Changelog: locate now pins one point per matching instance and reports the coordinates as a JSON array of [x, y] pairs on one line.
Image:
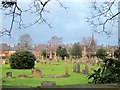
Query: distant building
[[6, 50], [38, 48]]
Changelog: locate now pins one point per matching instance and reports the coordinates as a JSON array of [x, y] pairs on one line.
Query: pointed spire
[[92, 41]]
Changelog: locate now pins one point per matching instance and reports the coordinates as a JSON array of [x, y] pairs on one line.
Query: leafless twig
[[36, 7], [102, 15]]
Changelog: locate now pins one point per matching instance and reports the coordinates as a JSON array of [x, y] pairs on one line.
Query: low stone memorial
[[83, 71], [37, 73], [23, 76], [9, 74], [45, 76], [60, 76], [48, 83], [6, 61]]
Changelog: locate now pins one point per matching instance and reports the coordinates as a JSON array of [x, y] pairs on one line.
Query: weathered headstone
[[23, 76], [74, 67], [48, 83], [86, 69], [50, 55], [37, 73], [3, 61], [60, 76], [66, 71], [83, 70], [9, 74], [55, 57], [65, 58], [41, 62], [58, 58], [78, 68], [44, 76], [93, 62], [42, 58], [49, 61], [6, 61]]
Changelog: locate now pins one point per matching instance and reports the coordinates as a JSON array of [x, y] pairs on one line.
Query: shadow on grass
[[70, 87]]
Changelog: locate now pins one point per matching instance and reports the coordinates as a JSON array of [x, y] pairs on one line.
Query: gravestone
[[55, 57], [48, 83], [60, 76], [50, 55], [93, 63], [83, 70], [44, 76], [41, 62], [86, 69], [6, 61], [65, 58], [37, 73], [9, 74], [58, 58], [78, 68], [42, 58], [49, 61], [66, 72], [74, 67], [23, 76], [3, 61]]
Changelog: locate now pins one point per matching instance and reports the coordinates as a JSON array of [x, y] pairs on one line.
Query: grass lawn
[[47, 69]]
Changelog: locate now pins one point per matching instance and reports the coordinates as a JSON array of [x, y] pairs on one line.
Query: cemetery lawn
[[47, 69]]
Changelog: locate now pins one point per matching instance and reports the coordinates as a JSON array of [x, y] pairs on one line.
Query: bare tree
[[86, 41], [54, 42], [89, 42], [103, 13], [25, 42], [13, 10]]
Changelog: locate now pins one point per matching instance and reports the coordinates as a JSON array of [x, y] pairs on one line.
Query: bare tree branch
[[36, 7], [102, 15]]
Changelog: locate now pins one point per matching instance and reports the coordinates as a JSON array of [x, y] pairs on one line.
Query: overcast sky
[[70, 25]]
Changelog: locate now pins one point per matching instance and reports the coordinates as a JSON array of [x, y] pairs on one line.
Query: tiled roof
[[40, 47], [4, 47]]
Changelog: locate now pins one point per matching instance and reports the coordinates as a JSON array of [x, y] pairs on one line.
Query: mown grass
[[47, 69]]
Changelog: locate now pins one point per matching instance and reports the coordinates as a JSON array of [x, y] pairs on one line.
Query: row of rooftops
[[37, 47]]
